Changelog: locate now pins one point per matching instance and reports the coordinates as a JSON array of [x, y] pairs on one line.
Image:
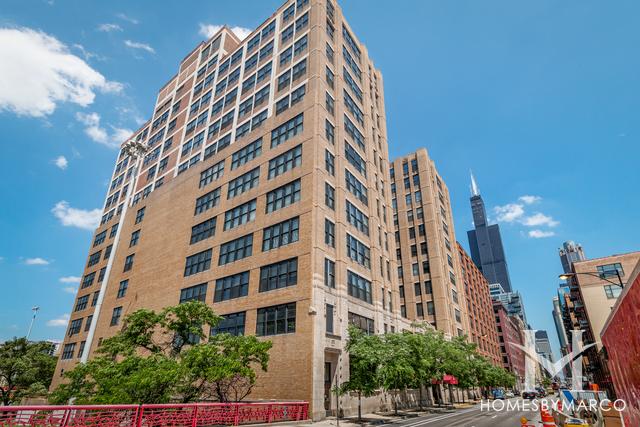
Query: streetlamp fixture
[[594, 274]]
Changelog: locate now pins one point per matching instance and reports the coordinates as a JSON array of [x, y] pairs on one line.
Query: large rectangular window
[[278, 275], [243, 183], [612, 291], [329, 233], [276, 320], [230, 287], [329, 273], [283, 196], [287, 130], [232, 324], [197, 263], [211, 174], [357, 218], [208, 201], [87, 280], [363, 323], [68, 351], [94, 258], [204, 230], [356, 187], [280, 234], [285, 161], [236, 249], [194, 293], [358, 251], [329, 196], [240, 215], [610, 270], [354, 158], [359, 287], [74, 327], [115, 316], [246, 154]]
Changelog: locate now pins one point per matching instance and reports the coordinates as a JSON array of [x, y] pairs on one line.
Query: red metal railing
[[174, 415]]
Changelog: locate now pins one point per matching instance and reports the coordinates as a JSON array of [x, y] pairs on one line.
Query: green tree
[[26, 369], [159, 357], [396, 370], [365, 355]]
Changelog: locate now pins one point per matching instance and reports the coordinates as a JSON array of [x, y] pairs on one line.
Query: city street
[[473, 417]]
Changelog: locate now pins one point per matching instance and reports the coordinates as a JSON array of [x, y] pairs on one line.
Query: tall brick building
[[482, 324], [431, 284], [263, 190]]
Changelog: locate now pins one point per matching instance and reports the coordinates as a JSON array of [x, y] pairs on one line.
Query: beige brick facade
[[183, 143]]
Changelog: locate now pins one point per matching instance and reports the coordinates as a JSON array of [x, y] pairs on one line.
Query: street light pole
[[594, 274], [35, 310]]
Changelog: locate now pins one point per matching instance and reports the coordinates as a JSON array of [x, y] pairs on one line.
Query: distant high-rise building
[[571, 252], [485, 243], [557, 320], [543, 346]]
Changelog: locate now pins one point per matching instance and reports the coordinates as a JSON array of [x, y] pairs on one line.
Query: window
[[430, 308], [74, 327], [140, 214], [68, 351], [281, 274], [128, 262], [280, 234], [103, 271], [287, 130], [352, 84], [329, 162], [329, 77], [329, 319], [282, 105], [197, 263], [87, 324], [285, 161], [94, 300], [612, 291], [356, 187], [357, 113], [81, 303], [100, 237], [330, 103], [94, 258], [610, 270], [329, 233], [284, 80], [115, 316], [363, 323], [87, 280], [329, 273], [419, 310], [417, 289], [300, 45], [298, 95], [135, 236], [232, 324], [287, 34], [298, 70], [276, 320], [122, 289], [357, 218], [285, 56], [203, 231], [230, 287], [240, 215], [302, 21], [243, 183], [329, 196], [283, 196], [114, 231], [211, 174], [236, 249], [249, 152], [329, 131], [358, 251], [207, 201], [359, 287], [354, 158]]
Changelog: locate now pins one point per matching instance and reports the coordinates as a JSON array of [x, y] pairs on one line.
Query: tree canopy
[[158, 357]]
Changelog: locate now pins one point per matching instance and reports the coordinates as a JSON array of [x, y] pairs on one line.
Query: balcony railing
[[175, 415]]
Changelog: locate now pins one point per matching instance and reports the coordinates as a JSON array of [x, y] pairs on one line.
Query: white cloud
[[99, 134], [70, 279], [107, 28], [208, 30], [72, 217], [540, 234], [36, 261], [127, 18], [70, 289], [88, 55], [138, 45], [509, 212], [60, 321], [61, 162], [539, 219], [37, 72], [529, 200]]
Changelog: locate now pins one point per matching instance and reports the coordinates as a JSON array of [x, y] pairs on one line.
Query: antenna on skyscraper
[[475, 191]]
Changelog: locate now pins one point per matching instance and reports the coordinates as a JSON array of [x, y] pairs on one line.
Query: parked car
[[541, 392], [529, 394], [509, 395], [498, 394]]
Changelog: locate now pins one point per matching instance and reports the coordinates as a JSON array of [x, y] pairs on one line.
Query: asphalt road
[[473, 417]]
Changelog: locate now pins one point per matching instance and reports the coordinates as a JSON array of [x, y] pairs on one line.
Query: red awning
[[446, 379]]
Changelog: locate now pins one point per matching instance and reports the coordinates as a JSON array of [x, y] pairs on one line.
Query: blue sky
[[539, 98]]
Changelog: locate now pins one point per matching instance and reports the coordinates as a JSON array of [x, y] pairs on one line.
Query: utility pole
[[35, 310]]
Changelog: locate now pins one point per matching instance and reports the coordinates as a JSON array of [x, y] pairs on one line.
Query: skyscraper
[[559, 324], [543, 346], [485, 243], [262, 190], [570, 253]]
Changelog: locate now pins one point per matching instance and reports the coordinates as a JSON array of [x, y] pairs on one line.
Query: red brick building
[[510, 332]]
